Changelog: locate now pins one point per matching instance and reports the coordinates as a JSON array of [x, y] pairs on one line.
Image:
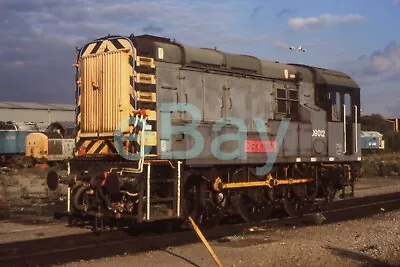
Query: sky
[[38, 39]]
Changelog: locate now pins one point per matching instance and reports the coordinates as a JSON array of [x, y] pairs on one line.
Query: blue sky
[[360, 37]]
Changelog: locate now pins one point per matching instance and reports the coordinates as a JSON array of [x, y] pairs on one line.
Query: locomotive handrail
[[344, 130], [148, 190], [356, 126], [142, 156]]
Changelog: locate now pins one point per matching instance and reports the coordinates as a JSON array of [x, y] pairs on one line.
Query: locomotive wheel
[[294, 206], [299, 199], [79, 199], [254, 206], [200, 202], [329, 192]]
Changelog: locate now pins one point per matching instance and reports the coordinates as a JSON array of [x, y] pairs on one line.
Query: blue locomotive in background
[[12, 141], [372, 141]]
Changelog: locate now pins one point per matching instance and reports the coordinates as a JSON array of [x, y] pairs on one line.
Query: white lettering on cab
[[318, 133]]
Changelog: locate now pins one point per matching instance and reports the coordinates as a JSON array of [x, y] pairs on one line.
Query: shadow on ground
[[180, 257], [369, 261]]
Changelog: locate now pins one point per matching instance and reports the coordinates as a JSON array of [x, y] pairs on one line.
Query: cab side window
[[348, 104], [287, 101], [335, 105]]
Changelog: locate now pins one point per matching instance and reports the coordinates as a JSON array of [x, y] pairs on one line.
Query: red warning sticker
[[260, 146]]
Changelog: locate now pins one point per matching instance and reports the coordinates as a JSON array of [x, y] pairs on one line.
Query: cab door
[[343, 122], [348, 124]]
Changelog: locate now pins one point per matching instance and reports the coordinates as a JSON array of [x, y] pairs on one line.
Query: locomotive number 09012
[[318, 133]]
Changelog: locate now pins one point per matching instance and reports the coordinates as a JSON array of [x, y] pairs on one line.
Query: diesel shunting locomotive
[[166, 131]]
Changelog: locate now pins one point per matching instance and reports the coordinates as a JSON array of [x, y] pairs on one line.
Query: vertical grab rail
[[344, 130], [68, 189], [356, 126], [178, 208], [148, 192]]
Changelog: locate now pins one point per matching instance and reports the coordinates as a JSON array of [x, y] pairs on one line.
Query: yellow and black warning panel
[[107, 45], [90, 146], [114, 82], [104, 92]]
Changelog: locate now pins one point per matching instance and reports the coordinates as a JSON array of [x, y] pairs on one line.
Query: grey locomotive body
[[219, 133], [242, 89]]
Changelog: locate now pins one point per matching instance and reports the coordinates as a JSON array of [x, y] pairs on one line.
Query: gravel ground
[[13, 231], [374, 186], [21, 227], [373, 241], [350, 243], [31, 206]]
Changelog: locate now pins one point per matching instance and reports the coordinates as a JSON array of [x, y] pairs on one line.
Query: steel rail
[[88, 246]]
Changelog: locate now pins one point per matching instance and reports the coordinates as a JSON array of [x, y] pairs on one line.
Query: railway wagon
[[167, 131]]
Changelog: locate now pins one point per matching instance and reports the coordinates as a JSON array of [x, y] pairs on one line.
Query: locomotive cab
[[342, 104]]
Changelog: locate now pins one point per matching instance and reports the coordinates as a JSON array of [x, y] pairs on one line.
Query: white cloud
[[48, 31], [187, 22], [378, 76], [12, 65], [380, 65], [299, 23], [386, 61]]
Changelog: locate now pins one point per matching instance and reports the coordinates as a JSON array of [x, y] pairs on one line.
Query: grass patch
[[387, 164]]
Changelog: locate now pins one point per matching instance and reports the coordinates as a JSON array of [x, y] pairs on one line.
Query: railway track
[[89, 246]]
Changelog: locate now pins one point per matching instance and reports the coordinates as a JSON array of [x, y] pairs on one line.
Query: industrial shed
[[36, 112]]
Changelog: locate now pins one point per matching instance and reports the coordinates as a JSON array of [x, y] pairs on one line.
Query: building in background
[[395, 124], [36, 112]]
